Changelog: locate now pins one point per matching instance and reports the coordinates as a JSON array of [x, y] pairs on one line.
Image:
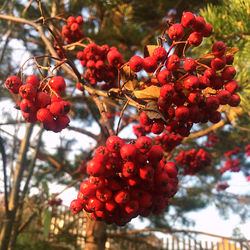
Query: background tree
[[130, 26]]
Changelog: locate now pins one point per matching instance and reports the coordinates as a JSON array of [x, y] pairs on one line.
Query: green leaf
[[47, 215]]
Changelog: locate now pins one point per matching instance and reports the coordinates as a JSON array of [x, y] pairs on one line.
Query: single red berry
[[58, 84], [128, 152], [29, 117], [27, 106], [228, 73], [44, 115], [128, 169], [114, 58], [229, 59], [144, 119], [232, 86], [167, 91], [218, 49], [191, 82], [33, 80], [218, 63], [182, 114], [189, 65], [13, 83], [209, 73], [131, 207], [212, 103], [160, 54], [95, 205], [144, 144], [155, 153], [136, 63], [217, 82], [42, 99], [95, 168], [27, 91], [223, 96], [199, 24], [215, 117], [157, 127], [114, 144], [70, 20], [176, 32], [173, 62], [79, 20], [195, 39], [76, 206], [187, 19], [207, 31], [149, 64], [234, 101], [104, 194], [164, 76], [204, 82], [122, 197]]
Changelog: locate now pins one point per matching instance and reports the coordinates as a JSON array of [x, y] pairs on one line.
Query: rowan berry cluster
[[72, 30], [168, 141], [232, 165], [212, 139], [41, 101], [55, 202], [126, 180], [195, 96], [193, 161], [101, 63]]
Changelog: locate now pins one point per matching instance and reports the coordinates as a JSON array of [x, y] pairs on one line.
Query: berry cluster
[[212, 139], [193, 161], [41, 101], [72, 30], [195, 96], [55, 202], [126, 180], [232, 165], [101, 63], [168, 141], [232, 152]]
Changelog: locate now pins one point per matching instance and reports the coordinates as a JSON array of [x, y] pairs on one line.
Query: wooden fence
[[68, 227]]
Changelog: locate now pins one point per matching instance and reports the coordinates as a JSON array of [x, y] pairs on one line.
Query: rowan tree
[[168, 81]]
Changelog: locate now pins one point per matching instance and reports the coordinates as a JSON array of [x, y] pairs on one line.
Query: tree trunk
[[95, 235], [10, 216]]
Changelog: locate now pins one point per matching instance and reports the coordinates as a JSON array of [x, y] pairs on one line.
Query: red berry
[[189, 65], [44, 115], [114, 144], [157, 127], [191, 82], [27, 106], [176, 32], [232, 86], [218, 49], [27, 91], [182, 114], [167, 91], [58, 84], [33, 80], [207, 31], [228, 73], [234, 101], [149, 64], [122, 197], [215, 116], [173, 62], [218, 63], [42, 99], [13, 83], [187, 19], [95, 168], [144, 144], [114, 58], [144, 119], [212, 103], [79, 20], [164, 76], [95, 205], [199, 24], [136, 63], [76, 206], [128, 152], [195, 39], [160, 54], [223, 96], [70, 20]]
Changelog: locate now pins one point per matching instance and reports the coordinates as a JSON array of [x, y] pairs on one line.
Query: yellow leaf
[[148, 93], [149, 49], [129, 78]]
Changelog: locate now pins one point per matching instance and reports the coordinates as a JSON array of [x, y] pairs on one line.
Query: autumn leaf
[[148, 93]]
